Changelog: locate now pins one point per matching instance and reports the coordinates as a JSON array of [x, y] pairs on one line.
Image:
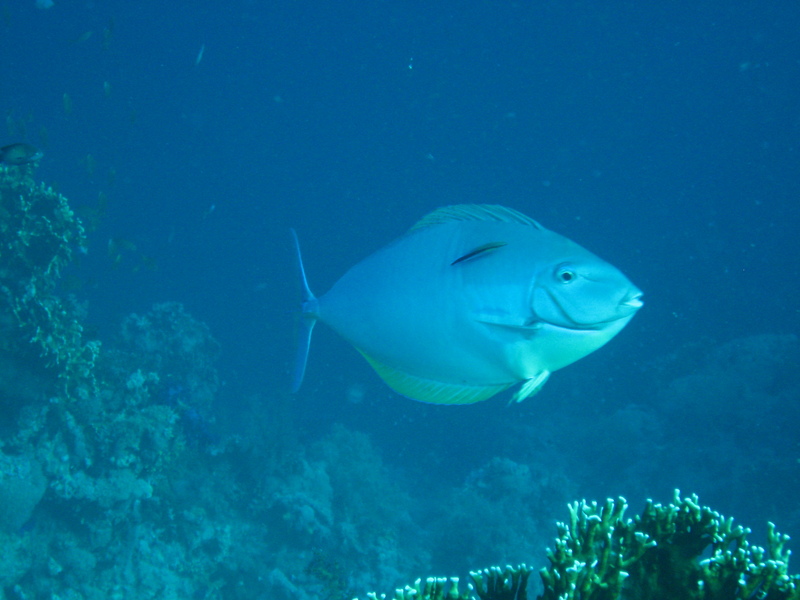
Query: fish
[[471, 301], [108, 34], [84, 37], [19, 154], [200, 55]]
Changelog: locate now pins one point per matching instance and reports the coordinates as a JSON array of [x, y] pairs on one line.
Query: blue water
[[661, 136]]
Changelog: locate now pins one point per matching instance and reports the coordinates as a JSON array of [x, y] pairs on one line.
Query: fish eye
[[566, 274]]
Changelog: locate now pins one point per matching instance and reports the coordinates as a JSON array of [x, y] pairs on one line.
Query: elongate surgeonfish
[[472, 300]]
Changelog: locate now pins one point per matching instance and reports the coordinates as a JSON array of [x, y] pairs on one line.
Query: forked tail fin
[[306, 322]]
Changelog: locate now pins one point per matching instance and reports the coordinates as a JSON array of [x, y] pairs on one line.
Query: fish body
[[472, 300], [19, 154]]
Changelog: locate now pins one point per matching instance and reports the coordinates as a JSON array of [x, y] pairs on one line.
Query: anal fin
[[431, 391]]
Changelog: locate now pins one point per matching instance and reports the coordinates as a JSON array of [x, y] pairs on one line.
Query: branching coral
[[601, 555], [489, 584], [38, 235]]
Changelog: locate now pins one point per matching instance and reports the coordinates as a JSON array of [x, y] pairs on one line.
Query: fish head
[[584, 293]]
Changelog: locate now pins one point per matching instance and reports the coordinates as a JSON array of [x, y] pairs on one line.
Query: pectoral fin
[[481, 250], [531, 387]]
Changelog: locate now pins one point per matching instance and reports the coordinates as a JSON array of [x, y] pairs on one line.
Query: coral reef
[[118, 483], [86, 438], [38, 235], [678, 550], [168, 341], [499, 490], [119, 478], [326, 501], [22, 486]]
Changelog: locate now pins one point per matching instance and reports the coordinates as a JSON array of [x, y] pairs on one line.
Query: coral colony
[[601, 555]]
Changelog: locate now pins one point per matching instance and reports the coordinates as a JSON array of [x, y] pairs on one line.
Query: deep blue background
[[662, 136]]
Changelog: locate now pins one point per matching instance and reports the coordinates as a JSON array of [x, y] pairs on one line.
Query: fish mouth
[[626, 309], [634, 301]]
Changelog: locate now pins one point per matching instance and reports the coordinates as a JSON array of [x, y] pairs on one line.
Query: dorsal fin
[[474, 212]]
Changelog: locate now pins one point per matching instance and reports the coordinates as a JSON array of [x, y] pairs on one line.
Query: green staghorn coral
[[38, 236], [601, 555]]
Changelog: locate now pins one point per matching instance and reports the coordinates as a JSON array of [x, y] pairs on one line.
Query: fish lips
[[632, 302]]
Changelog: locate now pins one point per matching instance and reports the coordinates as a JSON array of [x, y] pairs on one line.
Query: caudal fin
[[306, 322]]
